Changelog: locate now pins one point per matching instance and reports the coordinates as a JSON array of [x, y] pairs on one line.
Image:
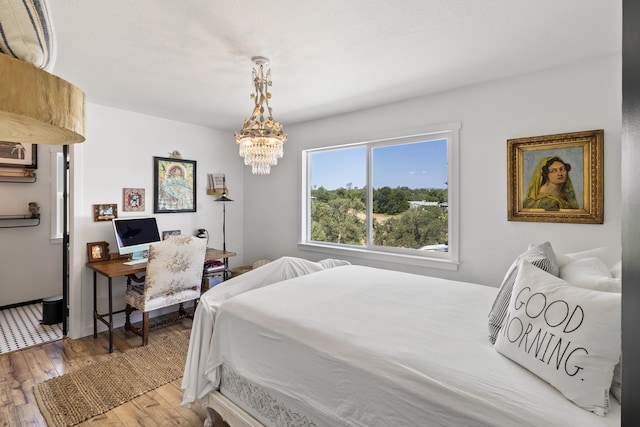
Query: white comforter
[[369, 347], [195, 381]]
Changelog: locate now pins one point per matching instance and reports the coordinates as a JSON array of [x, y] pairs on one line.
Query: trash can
[[52, 310]]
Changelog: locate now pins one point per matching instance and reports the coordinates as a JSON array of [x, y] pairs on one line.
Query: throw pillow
[[616, 270], [568, 336], [602, 253], [590, 273], [542, 256], [27, 32]]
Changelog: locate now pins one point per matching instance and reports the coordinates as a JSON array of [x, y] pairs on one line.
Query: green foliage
[[338, 216], [337, 221], [414, 228]]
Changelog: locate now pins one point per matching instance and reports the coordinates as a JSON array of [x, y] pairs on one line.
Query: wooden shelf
[[21, 175], [18, 219]]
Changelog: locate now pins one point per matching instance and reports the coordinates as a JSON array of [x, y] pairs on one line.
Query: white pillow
[[568, 336], [616, 270], [542, 256], [601, 253], [590, 273]]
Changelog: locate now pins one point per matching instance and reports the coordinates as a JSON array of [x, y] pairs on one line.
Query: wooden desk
[[118, 268]]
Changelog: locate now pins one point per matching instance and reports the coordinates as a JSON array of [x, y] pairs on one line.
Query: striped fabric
[[543, 257], [26, 32]]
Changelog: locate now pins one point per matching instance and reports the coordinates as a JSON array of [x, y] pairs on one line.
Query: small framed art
[[556, 178], [168, 233], [97, 251], [105, 212], [133, 200], [18, 155], [174, 185]]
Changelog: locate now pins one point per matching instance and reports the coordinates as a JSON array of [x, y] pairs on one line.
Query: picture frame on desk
[[97, 251], [168, 233]]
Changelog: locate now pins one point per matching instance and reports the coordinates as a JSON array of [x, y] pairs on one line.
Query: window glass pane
[[386, 199], [338, 196], [410, 195]]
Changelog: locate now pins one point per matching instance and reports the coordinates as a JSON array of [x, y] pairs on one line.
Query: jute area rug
[[77, 396]]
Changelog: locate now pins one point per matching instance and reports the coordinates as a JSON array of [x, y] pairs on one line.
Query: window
[[57, 183], [395, 197]]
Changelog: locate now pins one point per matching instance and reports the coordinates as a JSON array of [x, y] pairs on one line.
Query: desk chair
[[173, 276]]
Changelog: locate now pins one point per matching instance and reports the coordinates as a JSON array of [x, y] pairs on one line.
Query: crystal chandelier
[[261, 138]]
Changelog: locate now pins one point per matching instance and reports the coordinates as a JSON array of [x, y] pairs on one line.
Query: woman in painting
[[550, 187]]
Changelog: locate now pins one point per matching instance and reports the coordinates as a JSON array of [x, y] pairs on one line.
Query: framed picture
[[174, 185], [18, 155], [97, 251], [556, 178], [133, 200], [105, 212], [168, 233]]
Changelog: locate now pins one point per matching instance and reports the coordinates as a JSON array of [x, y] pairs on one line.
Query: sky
[[416, 165]]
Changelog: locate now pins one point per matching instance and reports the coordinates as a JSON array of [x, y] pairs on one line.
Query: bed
[[347, 345]]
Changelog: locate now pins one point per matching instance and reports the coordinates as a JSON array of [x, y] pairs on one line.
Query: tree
[[413, 229], [337, 221]]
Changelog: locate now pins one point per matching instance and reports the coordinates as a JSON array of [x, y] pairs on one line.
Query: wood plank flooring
[[21, 369]]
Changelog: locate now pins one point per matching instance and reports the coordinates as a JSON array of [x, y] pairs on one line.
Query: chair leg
[[145, 328], [127, 320]]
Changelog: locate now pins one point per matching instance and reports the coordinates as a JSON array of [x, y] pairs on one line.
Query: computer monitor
[[134, 235]]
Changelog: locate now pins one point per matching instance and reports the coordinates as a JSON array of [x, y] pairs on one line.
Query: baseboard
[[20, 304]]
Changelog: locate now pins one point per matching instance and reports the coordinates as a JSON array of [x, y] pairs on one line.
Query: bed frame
[[222, 412]]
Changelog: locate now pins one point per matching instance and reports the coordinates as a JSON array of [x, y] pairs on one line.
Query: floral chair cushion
[[174, 273]]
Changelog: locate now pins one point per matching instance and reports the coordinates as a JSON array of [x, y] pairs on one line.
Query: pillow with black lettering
[[568, 336], [542, 256]]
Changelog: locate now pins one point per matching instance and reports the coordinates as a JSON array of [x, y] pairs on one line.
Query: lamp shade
[[37, 107]]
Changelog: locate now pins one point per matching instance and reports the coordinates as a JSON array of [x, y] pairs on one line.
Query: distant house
[[414, 204]]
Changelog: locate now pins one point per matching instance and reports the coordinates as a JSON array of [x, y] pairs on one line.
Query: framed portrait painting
[[556, 178], [18, 155], [174, 184]]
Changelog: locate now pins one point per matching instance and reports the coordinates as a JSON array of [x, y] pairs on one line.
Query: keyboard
[[136, 261]]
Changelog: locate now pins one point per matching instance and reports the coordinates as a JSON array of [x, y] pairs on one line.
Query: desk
[[118, 268]]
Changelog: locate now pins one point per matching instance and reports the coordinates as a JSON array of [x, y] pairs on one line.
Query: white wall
[[118, 154], [30, 262], [580, 97]]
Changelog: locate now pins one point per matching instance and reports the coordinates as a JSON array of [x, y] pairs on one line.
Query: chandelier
[[261, 138]]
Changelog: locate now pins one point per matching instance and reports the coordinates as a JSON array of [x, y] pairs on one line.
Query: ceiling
[[191, 60]]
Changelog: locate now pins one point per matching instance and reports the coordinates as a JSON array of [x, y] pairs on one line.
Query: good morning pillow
[[568, 336], [542, 256]]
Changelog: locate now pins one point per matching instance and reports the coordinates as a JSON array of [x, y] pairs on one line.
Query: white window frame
[[56, 196], [442, 260]]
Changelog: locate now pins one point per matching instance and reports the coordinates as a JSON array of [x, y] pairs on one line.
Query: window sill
[[403, 259]]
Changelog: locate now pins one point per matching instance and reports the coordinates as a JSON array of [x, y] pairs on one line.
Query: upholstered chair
[[173, 276]]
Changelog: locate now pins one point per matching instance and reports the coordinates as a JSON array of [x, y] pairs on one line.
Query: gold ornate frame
[[583, 150]]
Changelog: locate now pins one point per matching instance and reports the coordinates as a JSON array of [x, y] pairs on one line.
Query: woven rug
[[77, 396]]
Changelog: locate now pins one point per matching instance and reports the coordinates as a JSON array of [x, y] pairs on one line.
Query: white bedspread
[[195, 382], [370, 347]]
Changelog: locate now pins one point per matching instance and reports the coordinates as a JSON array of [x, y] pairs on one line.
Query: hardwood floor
[[20, 370]]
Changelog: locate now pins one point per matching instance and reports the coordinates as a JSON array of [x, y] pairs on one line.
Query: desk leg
[[95, 306], [110, 317], [225, 273]]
